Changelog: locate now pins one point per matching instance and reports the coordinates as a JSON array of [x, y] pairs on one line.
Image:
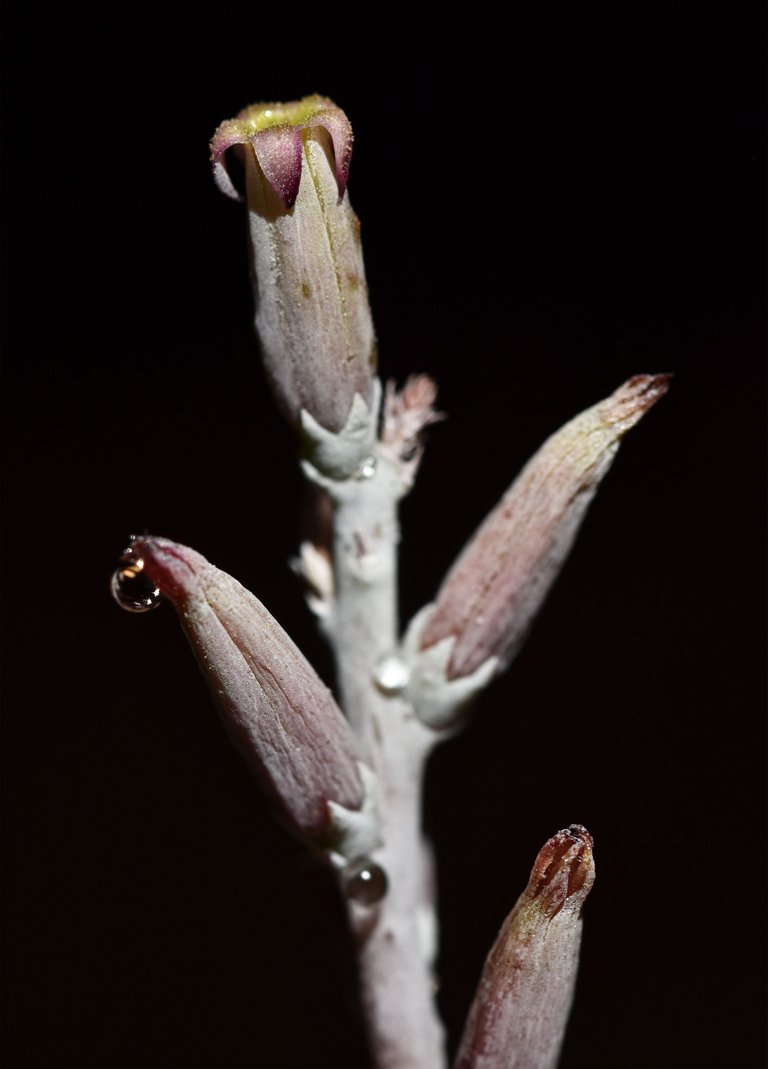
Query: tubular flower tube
[[312, 313], [491, 595], [281, 716], [520, 1011]]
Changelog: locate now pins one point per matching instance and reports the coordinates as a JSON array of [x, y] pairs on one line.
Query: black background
[[548, 208]]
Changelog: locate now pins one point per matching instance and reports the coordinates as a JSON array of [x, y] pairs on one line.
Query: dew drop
[[367, 469], [365, 882], [131, 588], [391, 675]]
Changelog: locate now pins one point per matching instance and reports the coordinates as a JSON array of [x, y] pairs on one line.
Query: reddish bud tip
[[564, 871], [633, 399]]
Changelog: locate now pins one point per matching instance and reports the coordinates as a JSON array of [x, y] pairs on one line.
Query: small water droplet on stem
[[391, 675], [365, 882], [367, 469]]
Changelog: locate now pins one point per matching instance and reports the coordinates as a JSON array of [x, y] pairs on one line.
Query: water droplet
[[365, 882], [131, 588], [391, 675], [367, 469]]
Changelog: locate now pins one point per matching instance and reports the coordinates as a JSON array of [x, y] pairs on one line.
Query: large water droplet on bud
[[131, 588], [365, 882]]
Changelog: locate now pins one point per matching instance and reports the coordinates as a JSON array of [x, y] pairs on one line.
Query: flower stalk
[[395, 946]]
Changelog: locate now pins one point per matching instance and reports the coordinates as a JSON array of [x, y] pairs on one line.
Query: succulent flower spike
[[494, 590], [281, 716], [520, 1011], [312, 312]]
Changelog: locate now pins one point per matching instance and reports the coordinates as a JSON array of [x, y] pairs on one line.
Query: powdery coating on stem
[[394, 962], [312, 313], [280, 714], [520, 1011], [499, 582]]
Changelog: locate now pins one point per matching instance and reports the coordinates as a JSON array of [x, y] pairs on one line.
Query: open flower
[[312, 313]]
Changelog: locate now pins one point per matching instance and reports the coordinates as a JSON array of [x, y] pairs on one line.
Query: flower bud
[[494, 590], [312, 312], [520, 1011], [280, 715]]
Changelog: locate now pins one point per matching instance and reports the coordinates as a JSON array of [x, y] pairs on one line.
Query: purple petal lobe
[[230, 133], [279, 154], [338, 126]]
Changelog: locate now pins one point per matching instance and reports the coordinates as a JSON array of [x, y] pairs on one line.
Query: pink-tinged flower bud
[[499, 582], [281, 716], [312, 312], [520, 1011]]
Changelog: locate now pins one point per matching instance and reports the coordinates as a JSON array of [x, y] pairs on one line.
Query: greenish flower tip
[[275, 133]]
